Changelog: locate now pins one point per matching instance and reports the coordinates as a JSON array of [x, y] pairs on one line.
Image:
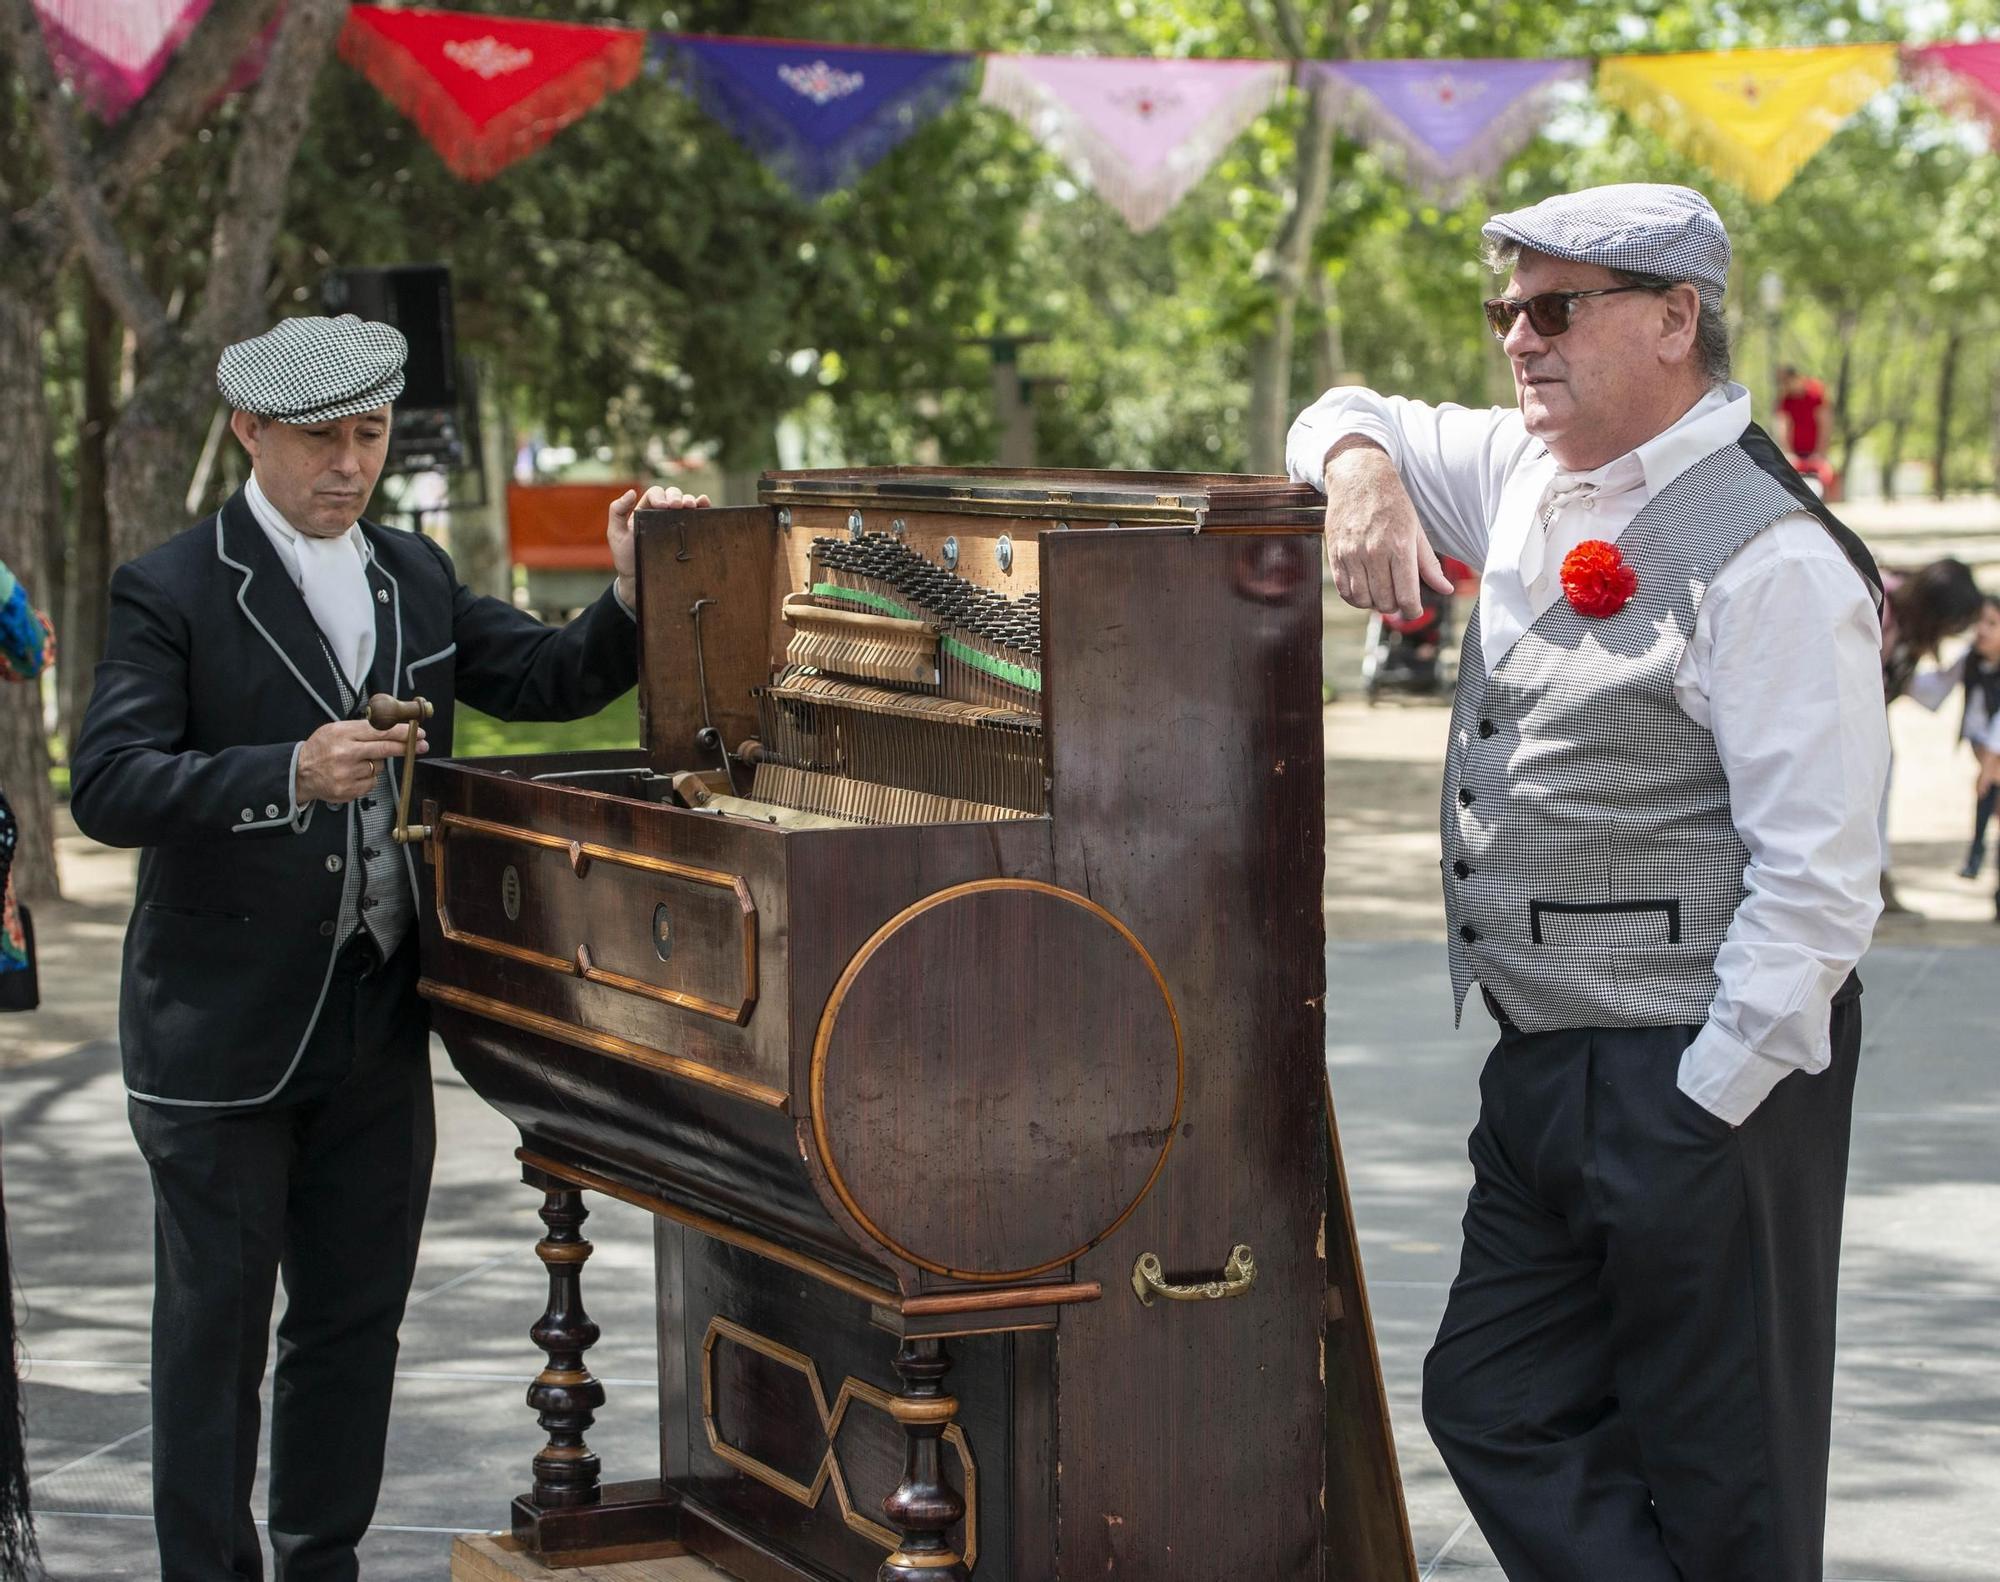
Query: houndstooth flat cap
[[1646, 228], [314, 370]]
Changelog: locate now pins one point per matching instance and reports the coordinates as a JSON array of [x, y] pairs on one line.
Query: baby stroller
[[1409, 654]]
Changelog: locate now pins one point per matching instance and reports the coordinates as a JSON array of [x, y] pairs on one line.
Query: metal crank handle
[[383, 712], [1238, 1275]]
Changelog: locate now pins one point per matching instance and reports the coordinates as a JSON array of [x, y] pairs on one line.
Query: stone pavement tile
[[72, 1413], [96, 1548]]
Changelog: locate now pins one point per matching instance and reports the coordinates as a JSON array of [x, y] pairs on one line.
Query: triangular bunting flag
[[817, 114], [113, 51], [1961, 77], [1450, 119], [1140, 131], [1753, 116], [487, 90]]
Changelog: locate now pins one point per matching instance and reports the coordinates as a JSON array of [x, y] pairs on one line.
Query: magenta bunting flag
[[1962, 77], [1451, 120], [113, 51], [1141, 132]]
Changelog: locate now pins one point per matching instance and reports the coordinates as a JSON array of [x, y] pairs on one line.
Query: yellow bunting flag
[[1753, 116]]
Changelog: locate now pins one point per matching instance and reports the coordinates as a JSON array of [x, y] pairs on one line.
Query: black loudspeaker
[[416, 298]]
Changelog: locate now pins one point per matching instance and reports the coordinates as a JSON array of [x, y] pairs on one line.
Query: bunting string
[[1139, 132]]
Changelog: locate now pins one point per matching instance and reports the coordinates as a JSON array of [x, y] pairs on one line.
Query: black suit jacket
[[213, 674]]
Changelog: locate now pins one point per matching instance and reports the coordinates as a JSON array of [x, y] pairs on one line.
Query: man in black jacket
[[274, 1043]]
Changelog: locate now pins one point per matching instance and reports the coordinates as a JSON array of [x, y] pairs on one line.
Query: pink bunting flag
[[113, 51], [1961, 77], [1141, 132]]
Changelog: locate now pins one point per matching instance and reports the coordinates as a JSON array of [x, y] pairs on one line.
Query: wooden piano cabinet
[[1000, 1227]]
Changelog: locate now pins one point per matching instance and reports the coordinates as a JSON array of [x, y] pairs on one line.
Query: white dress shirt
[[1784, 668], [332, 574]]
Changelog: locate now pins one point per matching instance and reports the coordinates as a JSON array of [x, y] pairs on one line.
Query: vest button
[[1487, 727], [1468, 933], [1465, 797], [1463, 870]]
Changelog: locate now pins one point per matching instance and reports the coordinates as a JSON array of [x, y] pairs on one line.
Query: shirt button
[[1465, 797], [1463, 870], [248, 814], [270, 810], [326, 931], [1487, 727], [333, 865], [1468, 933]]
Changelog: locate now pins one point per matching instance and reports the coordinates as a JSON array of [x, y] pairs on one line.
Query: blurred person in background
[[27, 645]]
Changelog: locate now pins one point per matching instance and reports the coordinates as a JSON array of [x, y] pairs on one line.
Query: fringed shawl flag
[[1140, 131], [113, 51], [817, 115], [1962, 77], [1452, 120], [1753, 116], [487, 90]]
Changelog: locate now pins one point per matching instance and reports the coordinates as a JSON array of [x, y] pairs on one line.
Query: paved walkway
[[1916, 1478]]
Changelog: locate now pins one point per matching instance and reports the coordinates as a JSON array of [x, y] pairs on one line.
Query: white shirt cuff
[[1726, 1077], [1313, 436], [621, 600]]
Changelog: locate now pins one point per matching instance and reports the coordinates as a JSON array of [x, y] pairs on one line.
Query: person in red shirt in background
[[1800, 400]]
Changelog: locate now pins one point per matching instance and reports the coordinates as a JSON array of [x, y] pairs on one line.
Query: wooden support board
[[496, 1557]]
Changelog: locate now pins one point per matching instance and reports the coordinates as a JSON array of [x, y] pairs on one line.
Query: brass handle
[[383, 712], [1238, 1275]]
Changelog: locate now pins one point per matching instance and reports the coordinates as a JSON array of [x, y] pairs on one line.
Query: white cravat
[[332, 575]]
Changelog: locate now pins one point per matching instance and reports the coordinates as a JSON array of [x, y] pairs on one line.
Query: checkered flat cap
[[1641, 227], [314, 370]]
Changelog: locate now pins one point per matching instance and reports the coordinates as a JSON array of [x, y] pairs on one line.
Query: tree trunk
[[1843, 389], [1283, 275], [151, 455], [1947, 377], [90, 561], [1329, 360], [24, 747]]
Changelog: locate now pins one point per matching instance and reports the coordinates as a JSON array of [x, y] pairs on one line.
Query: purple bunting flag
[[1452, 119], [817, 114]]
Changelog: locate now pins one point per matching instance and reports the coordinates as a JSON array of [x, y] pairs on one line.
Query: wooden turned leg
[[564, 1394], [924, 1508]]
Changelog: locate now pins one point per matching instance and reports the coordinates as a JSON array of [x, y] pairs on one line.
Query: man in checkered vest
[[275, 1048], [1660, 860]]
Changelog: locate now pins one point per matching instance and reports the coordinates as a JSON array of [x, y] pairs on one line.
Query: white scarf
[[332, 575]]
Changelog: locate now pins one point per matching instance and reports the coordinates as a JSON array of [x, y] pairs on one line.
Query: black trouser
[[326, 1186], [1633, 1381]]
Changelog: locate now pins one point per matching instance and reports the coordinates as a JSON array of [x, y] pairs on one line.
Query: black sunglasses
[[1549, 313]]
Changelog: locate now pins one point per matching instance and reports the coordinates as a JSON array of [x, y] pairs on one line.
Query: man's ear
[[1680, 315], [248, 429]]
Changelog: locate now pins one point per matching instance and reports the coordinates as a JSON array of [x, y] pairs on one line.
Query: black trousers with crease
[[325, 1187], [1633, 1378]]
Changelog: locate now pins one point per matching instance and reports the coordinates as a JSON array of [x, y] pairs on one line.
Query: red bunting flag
[[486, 90], [1962, 77]]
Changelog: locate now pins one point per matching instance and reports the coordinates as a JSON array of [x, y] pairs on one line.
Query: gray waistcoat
[[1591, 866], [375, 889]]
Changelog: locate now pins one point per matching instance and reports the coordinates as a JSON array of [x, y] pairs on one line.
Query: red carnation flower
[[1596, 579]]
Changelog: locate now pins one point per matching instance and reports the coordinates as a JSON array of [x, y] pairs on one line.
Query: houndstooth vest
[[375, 888], [1591, 865]]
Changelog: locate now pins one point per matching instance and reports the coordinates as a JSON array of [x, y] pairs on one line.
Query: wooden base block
[[644, 1513], [496, 1557]]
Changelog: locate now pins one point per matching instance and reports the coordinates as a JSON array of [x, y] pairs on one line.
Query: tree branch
[[178, 104], [69, 168], [246, 227]]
